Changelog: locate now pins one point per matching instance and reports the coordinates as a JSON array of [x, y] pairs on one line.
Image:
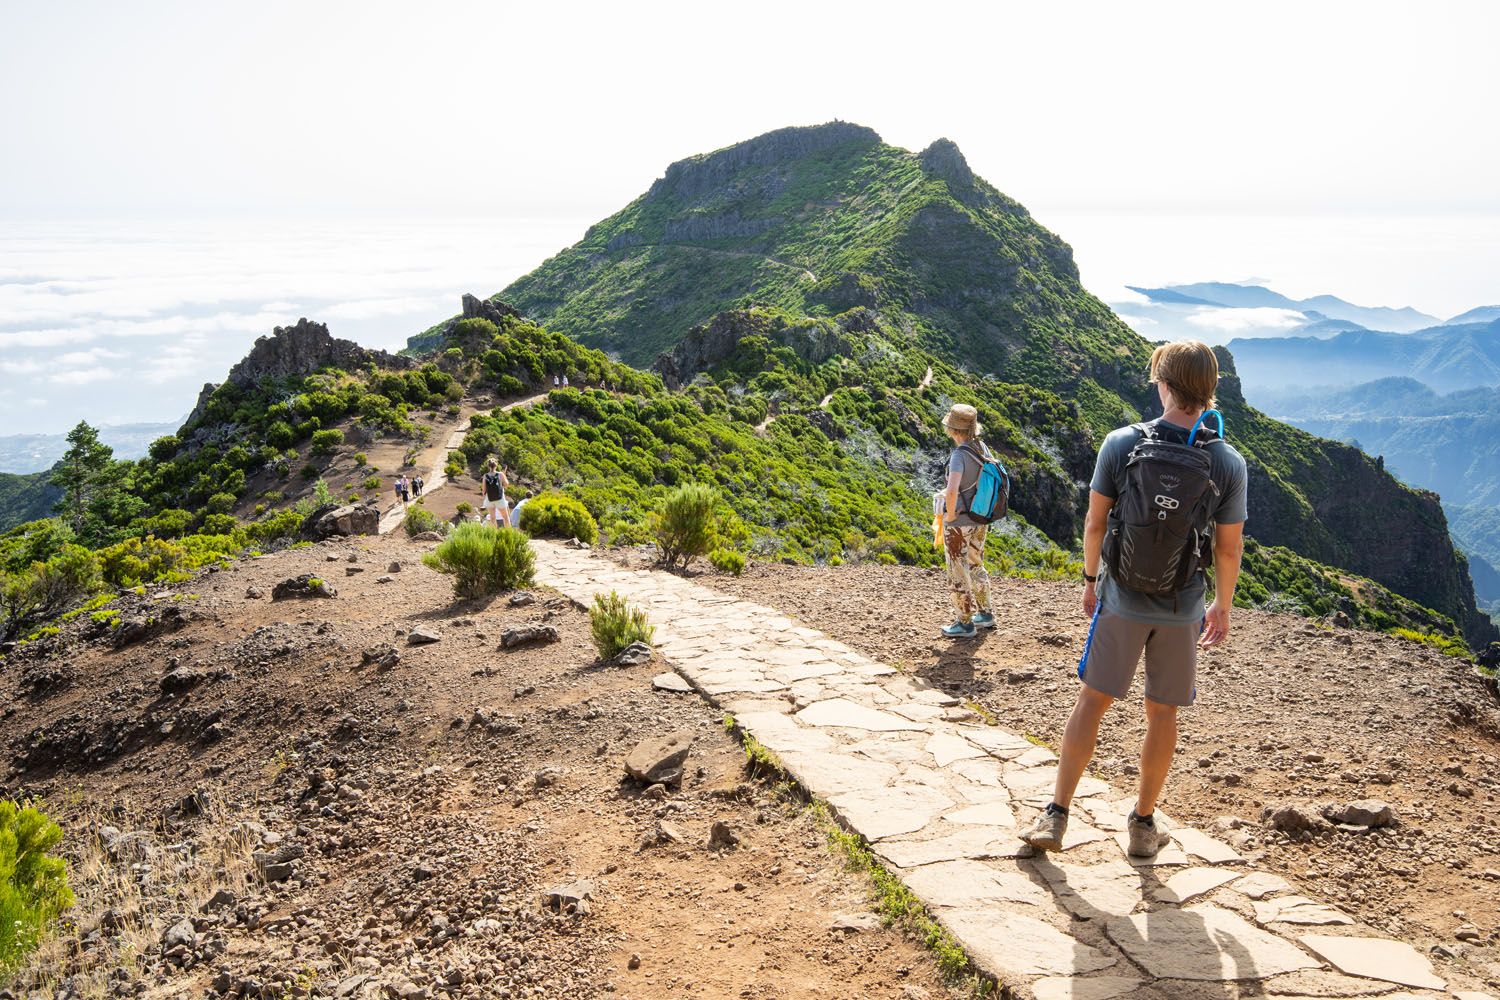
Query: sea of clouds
[[124, 322]]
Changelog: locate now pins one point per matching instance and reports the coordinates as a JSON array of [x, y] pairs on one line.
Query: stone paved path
[[939, 797]]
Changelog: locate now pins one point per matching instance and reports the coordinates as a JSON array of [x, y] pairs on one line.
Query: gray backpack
[[1159, 527]]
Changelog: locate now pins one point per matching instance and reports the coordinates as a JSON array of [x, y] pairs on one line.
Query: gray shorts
[[1114, 648]]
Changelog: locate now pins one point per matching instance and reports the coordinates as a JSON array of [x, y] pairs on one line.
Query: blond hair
[[1190, 370]]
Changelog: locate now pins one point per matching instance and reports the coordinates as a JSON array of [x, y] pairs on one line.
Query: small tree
[[91, 481], [484, 560], [616, 624], [46, 588], [685, 526], [33, 885]]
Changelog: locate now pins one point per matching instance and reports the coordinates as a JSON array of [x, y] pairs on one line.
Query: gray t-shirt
[[964, 462], [1227, 469]]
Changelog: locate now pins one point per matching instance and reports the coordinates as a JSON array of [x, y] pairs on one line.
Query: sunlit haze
[[364, 164]]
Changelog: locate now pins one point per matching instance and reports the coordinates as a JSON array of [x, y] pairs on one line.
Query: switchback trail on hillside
[[939, 796]]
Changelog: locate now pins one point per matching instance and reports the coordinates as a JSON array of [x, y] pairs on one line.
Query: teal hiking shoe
[[984, 620], [959, 630]]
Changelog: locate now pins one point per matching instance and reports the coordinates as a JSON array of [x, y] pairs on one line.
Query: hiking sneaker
[[1046, 833], [984, 620], [959, 630], [1147, 836]]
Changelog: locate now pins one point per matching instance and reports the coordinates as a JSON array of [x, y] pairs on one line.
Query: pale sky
[[177, 178], [554, 107]]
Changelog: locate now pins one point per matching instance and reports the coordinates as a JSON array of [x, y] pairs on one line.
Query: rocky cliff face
[[303, 349], [697, 175]]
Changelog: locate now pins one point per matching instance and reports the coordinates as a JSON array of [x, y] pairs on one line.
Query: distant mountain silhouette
[[1223, 293], [1446, 358]]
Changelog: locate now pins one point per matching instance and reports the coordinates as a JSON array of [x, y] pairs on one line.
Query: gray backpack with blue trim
[[1159, 532]]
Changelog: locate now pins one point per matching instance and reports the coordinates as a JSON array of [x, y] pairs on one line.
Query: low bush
[[616, 624], [324, 442], [554, 515], [727, 561], [465, 508], [309, 471], [218, 524], [484, 560], [33, 885], [371, 483], [361, 459], [684, 527], [281, 524], [420, 519], [44, 589], [220, 503]]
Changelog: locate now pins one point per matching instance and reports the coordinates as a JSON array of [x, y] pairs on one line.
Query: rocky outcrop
[[944, 159], [303, 349], [332, 520], [698, 175], [491, 309], [711, 343]]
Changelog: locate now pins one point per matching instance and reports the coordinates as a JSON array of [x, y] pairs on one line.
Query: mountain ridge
[[957, 271]]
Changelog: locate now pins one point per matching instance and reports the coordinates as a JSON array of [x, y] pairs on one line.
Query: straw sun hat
[[962, 418]]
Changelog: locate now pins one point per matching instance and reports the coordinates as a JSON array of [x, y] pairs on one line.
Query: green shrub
[[616, 625], [46, 588], [371, 483], [420, 519], [33, 885], [727, 561], [219, 524], [554, 515], [465, 508], [684, 527], [172, 522], [361, 459], [324, 442], [309, 471], [321, 494], [220, 503], [484, 560], [282, 524]]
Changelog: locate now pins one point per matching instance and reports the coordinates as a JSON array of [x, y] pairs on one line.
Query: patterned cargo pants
[[963, 546]]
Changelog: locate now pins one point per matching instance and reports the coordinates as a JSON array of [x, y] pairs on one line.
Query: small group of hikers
[[1167, 499], [408, 488]]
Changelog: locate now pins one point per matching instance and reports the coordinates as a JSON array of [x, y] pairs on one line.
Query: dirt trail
[[427, 803], [395, 516]]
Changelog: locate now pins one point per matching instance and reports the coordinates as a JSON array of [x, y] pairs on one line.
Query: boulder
[[421, 636], [660, 758], [179, 681], [571, 898], [523, 635], [1362, 812], [333, 520], [384, 657], [305, 585], [633, 655], [1289, 818]]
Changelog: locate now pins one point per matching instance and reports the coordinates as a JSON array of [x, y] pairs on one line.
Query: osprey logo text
[[1170, 503], [1169, 481]]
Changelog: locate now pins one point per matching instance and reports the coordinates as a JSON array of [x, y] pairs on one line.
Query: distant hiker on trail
[[976, 495], [492, 494], [1167, 498], [565, 381], [556, 382], [416, 485], [401, 489]]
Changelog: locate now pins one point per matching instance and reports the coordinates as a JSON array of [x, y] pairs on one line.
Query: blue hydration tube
[[1194, 432]]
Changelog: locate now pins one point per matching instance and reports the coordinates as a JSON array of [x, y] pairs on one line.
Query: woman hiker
[[492, 495], [963, 538]]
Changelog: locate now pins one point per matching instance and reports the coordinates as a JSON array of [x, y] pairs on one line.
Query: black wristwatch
[[1091, 579]]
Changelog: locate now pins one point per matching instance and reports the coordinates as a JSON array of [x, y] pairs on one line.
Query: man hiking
[[1167, 495], [492, 494], [963, 535]]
